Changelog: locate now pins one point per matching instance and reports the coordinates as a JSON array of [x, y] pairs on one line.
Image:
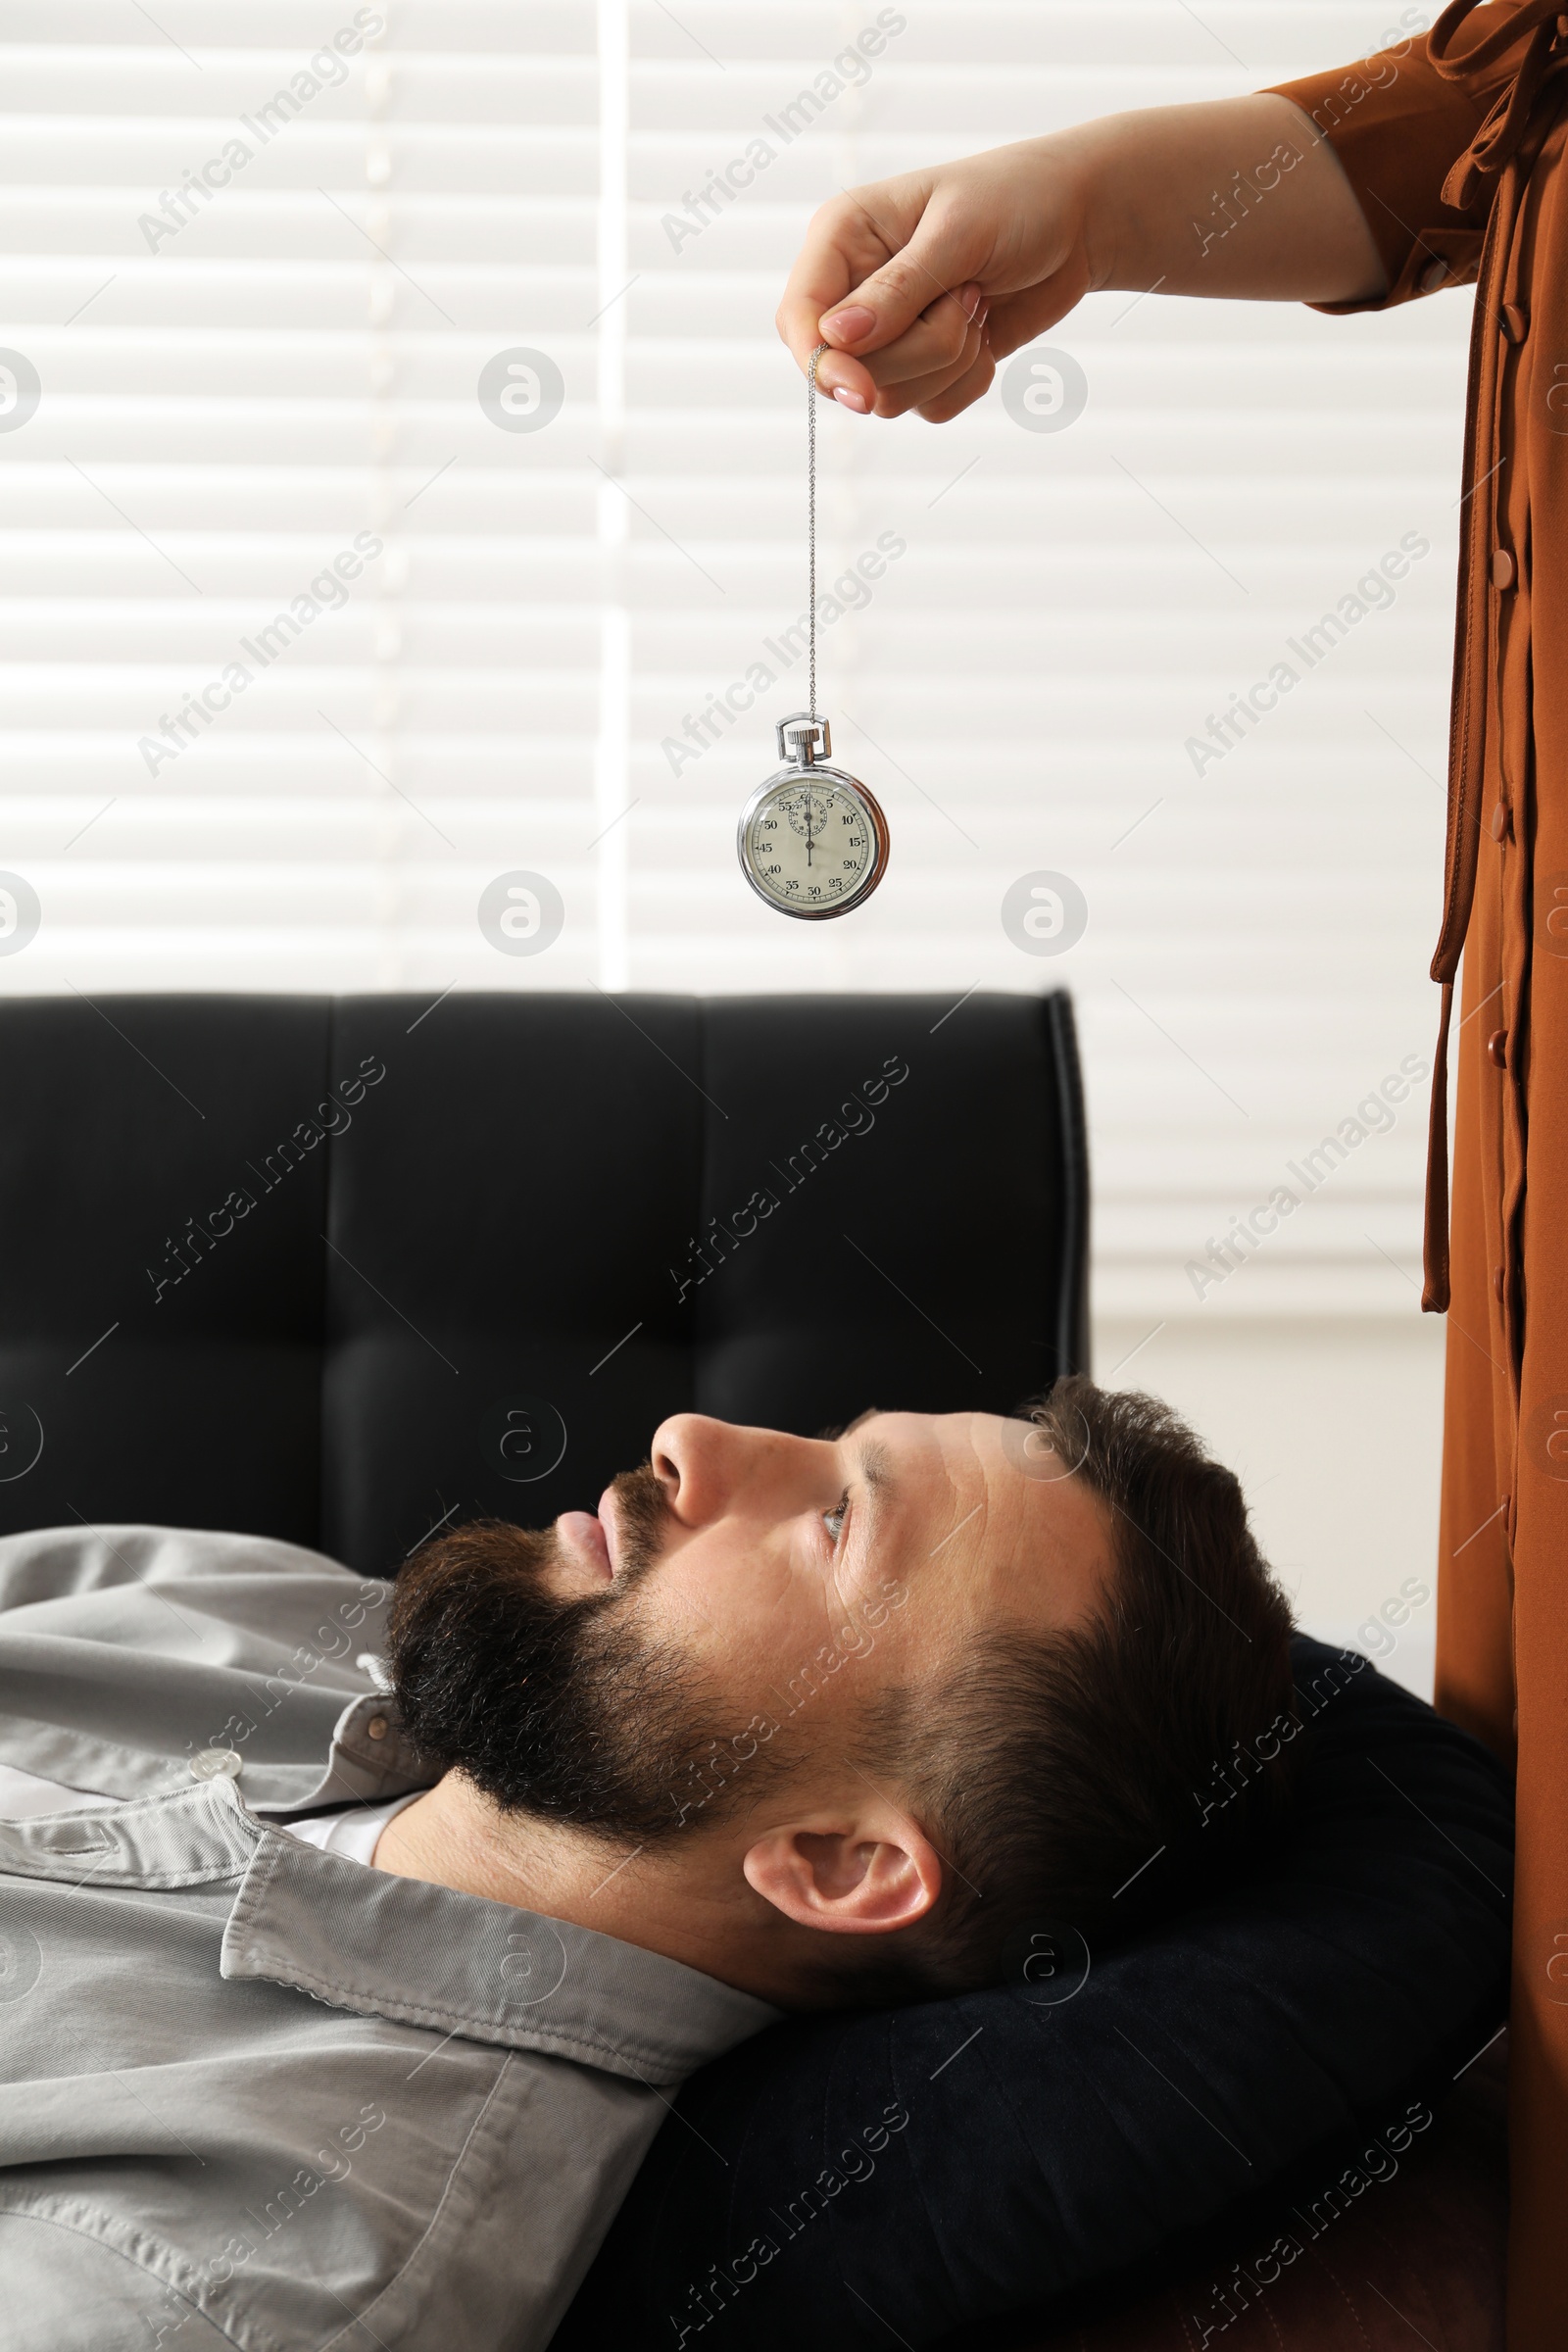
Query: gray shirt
[[251, 2092]]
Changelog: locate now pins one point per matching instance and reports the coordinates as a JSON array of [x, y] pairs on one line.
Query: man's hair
[[1083, 1779]]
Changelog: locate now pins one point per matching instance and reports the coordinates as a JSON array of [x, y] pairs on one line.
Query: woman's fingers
[[931, 248], [963, 393], [895, 278], [874, 271], [914, 392], [934, 343], [825, 268], [842, 248]]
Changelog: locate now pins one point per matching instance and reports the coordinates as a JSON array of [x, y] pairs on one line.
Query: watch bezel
[[866, 798]]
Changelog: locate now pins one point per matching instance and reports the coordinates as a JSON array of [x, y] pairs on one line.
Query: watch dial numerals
[[810, 846]]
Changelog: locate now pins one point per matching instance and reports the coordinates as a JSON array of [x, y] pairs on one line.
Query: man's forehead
[[995, 1463], [999, 1530], [966, 1431], [961, 1449]]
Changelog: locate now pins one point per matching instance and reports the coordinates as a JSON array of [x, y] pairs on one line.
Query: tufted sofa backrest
[[336, 1268]]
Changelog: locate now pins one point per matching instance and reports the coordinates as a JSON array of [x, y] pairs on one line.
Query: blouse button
[[215, 1764], [1498, 1284], [1515, 321], [1433, 275], [1497, 1049], [1504, 571], [1501, 826]]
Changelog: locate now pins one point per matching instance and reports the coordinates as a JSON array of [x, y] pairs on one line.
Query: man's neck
[[454, 1836]]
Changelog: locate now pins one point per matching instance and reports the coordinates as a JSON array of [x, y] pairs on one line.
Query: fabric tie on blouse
[[1496, 142]]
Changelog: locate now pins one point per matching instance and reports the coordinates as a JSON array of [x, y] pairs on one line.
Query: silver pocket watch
[[812, 841]]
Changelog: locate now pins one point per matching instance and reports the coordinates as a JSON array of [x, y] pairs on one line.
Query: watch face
[[813, 843]]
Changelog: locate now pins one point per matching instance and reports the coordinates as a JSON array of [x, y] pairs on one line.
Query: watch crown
[[803, 738]]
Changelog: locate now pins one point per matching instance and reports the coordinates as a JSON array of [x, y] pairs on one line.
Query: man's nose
[[708, 1468]]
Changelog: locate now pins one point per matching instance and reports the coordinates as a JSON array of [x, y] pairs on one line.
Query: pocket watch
[[812, 841]]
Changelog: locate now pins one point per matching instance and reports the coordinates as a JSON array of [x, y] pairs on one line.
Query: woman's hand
[[921, 284]]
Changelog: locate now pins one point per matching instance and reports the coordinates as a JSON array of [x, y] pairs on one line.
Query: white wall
[[1334, 1427]]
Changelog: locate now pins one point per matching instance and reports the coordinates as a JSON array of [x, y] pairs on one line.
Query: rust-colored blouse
[[1454, 144]]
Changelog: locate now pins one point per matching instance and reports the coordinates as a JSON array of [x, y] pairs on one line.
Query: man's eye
[[833, 1520]]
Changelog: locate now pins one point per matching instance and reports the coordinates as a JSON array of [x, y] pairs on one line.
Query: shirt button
[[1433, 275], [376, 1726], [1497, 1049], [1502, 824], [1504, 571], [215, 1764], [1515, 320], [1498, 1284]]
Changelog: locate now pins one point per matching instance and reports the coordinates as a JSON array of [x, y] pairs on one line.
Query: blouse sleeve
[[1398, 127]]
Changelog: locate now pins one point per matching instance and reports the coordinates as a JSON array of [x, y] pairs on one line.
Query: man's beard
[[563, 1709]]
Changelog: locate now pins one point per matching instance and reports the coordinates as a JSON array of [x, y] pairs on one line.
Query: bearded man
[[353, 1937]]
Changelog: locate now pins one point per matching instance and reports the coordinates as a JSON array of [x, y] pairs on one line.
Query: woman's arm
[[921, 283]]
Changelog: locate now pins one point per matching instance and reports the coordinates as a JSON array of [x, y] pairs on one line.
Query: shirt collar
[[362, 1939], [388, 1947], [401, 1947]]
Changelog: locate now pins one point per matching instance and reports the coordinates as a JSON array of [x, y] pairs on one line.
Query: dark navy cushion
[[862, 2180]]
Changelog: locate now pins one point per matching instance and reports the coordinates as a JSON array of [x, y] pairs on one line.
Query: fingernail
[[849, 325], [982, 315], [970, 299], [850, 399]]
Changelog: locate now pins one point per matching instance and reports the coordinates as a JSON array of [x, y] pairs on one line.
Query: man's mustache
[[643, 1524]]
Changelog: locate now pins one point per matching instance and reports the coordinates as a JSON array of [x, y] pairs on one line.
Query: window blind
[[402, 491]]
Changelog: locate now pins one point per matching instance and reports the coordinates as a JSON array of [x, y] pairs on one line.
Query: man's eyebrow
[[873, 1466]]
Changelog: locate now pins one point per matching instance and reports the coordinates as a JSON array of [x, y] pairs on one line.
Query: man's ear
[[858, 1878]]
